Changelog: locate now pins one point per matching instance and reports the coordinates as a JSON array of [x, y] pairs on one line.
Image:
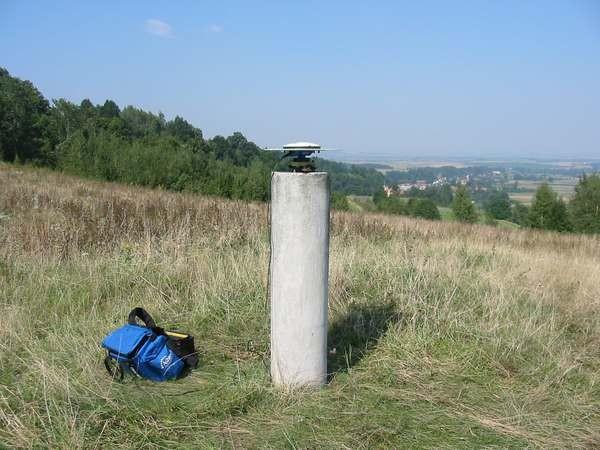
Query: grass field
[[445, 335]]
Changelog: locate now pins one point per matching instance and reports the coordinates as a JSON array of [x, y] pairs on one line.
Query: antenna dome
[[301, 145]]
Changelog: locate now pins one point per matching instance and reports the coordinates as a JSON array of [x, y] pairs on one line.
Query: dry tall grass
[[442, 334]]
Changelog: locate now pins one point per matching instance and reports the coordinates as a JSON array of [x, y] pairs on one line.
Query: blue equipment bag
[[148, 351]]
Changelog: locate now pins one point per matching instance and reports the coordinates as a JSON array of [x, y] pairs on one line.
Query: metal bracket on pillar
[[300, 154]]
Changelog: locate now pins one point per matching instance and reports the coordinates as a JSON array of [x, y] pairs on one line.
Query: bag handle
[[143, 315]]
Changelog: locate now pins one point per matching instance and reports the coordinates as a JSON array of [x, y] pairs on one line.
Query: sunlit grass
[[441, 334]]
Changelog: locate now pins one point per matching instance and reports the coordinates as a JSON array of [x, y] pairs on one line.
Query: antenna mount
[[300, 153]]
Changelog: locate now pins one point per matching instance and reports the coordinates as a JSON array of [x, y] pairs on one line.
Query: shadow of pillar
[[355, 333]]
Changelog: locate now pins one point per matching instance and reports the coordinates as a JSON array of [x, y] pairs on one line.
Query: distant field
[[564, 186], [402, 165], [386, 166], [441, 335], [539, 165]]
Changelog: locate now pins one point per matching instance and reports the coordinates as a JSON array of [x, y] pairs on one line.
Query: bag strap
[[114, 369], [143, 315]]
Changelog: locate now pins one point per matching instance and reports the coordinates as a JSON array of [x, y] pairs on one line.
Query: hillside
[[441, 334], [134, 146]]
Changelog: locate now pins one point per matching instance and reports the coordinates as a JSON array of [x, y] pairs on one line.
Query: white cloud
[[214, 28], [159, 28]]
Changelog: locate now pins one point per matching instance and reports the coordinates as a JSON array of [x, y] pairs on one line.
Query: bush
[[339, 202], [424, 208], [389, 205]]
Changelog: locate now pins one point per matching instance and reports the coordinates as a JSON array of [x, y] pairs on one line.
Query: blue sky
[[398, 78]]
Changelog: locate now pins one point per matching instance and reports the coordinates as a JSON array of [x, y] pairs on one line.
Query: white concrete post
[[298, 279]]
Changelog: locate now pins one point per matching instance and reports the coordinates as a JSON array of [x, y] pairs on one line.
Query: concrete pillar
[[298, 279]]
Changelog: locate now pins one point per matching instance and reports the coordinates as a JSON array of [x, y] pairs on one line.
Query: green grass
[[447, 216], [361, 203], [446, 213], [55, 378], [506, 224], [442, 335]]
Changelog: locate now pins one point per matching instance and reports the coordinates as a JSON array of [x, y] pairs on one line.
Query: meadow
[[442, 335]]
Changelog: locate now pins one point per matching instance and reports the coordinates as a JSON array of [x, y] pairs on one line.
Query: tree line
[[548, 211], [134, 146]]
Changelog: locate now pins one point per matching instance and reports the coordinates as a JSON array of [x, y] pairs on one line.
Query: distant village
[[479, 182]]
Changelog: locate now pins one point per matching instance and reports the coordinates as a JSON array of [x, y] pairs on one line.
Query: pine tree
[[540, 211], [559, 217], [548, 211], [585, 205], [462, 206]]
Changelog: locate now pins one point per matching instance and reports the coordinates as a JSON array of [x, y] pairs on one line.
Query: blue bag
[[148, 351]]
